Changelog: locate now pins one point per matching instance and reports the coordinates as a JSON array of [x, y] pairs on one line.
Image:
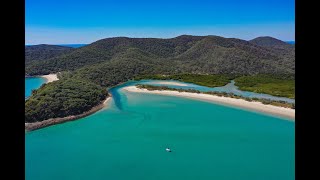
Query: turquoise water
[[127, 140], [31, 84]]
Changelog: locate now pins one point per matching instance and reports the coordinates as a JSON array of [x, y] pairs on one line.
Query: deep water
[[128, 138]]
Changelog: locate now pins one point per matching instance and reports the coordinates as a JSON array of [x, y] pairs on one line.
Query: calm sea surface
[[127, 140], [31, 84]]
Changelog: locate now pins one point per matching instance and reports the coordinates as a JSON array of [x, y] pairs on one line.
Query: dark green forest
[[276, 85], [183, 54], [42, 52], [204, 60], [63, 98]]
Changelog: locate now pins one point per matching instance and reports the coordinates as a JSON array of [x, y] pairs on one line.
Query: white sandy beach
[[105, 103], [255, 106], [50, 77], [170, 83]]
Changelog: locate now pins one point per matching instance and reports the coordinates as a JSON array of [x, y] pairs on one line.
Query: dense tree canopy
[[277, 85], [206, 60], [63, 98], [43, 52], [186, 54]]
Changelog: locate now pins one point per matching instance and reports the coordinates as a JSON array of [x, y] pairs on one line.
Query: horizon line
[[152, 38]]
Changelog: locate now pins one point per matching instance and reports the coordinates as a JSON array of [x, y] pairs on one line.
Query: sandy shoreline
[[50, 77], [255, 106], [105, 102], [53, 121]]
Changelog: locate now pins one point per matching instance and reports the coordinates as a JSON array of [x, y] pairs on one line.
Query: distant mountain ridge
[[72, 45], [185, 53], [268, 41], [43, 51]]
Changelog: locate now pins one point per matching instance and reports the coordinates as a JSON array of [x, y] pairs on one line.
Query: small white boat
[[168, 149]]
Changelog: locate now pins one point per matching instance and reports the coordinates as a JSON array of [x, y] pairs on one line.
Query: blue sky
[[85, 21]]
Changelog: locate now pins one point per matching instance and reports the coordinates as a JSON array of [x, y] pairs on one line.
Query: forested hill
[[192, 54], [285, 50], [268, 41], [43, 52], [111, 61]]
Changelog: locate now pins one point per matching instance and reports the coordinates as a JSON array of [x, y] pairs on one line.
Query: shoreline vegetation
[[53, 121], [170, 83], [77, 108], [271, 107], [63, 98], [86, 73], [212, 80], [221, 94], [276, 85]]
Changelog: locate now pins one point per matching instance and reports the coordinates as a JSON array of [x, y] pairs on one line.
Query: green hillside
[[43, 52], [192, 54], [111, 61]]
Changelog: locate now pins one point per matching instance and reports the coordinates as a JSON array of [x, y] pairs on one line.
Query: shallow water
[[127, 140], [31, 84]]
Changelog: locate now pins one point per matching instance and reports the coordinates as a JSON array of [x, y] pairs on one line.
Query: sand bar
[[50, 77], [255, 106]]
